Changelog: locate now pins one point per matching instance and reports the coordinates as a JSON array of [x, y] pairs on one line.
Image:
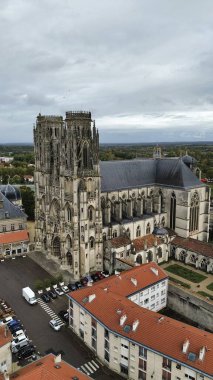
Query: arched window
[[182, 256], [149, 256], [138, 231], [91, 213], [160, 253], [163, 221], [56, 247], [139, 259], [194, 213], [68, 214], [128, 233], [148, 229], [91, 242], [114, 234], [85, 156], [82, 238], [104, 236], [68, 242], [173, 211], [82, 229]]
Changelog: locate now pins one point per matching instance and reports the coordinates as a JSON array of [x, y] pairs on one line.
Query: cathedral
[[88, 213]]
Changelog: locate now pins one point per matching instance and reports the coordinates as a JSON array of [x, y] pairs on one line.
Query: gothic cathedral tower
[[68, 219]]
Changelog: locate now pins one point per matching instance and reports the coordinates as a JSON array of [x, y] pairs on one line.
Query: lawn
[[210, 286], [178, 282], [204, 294], [185, 273]]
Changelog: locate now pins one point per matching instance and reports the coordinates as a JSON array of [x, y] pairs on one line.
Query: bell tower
[[67, 178]]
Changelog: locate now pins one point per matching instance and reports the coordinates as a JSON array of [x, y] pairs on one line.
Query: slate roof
[[8, 210], [117, 175]]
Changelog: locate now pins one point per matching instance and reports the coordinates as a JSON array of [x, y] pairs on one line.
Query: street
[[21, 272]]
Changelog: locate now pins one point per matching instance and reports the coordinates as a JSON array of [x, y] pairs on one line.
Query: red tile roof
[[194, 245], [120, 241], [13, 237], [148, 239], [5, 336], [44, 369], [160, 333], [123, 285]]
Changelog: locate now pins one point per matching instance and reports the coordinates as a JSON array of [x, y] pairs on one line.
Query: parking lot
[[21, 272]]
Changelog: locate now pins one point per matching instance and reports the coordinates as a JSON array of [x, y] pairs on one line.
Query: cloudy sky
[[143, 67]]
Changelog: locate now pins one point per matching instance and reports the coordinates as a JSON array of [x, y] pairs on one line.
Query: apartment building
[[5, 351], [134, 341]]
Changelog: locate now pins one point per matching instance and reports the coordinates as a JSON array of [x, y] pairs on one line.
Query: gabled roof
[[8, 210], [149, 240], [117, 175], [45, 369], [194, 245], [120, 241], [156, 332], [13, 236]]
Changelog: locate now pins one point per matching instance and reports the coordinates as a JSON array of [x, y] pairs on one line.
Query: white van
[[19, 342]]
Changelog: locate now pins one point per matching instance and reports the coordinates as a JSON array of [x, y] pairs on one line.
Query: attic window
[[192, 356], [127, 328]]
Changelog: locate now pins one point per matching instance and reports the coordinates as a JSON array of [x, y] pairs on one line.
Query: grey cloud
[[112, 57]]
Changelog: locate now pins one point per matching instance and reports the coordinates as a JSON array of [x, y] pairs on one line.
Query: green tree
[[28, 201]]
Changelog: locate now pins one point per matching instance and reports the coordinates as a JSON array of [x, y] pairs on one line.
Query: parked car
[[59, 292], [13, 322], [15, 328], [7, 320], [65, 288], [72, 287], [26, 351], [105, 273], [78, 285], [19, 342], [17, 333], [52, 294], [55, 324], [100, 275], [95, 277], [64, 315], [89, 278], [45, 297], [84, 281]]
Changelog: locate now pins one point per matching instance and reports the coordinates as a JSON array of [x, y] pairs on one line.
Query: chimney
[[57, 359], [154, 270], [123, 319], [202, 353], [135, 325], [134, 281], [145, 245], [186, 346], [91, 297]]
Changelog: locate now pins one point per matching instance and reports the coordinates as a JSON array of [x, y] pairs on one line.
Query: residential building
[[5, 351], [134, 341], [14, 239], [47, 367]]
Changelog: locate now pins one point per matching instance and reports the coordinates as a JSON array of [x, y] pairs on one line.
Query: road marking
[[89, 367], [95, 364], [49, 311]]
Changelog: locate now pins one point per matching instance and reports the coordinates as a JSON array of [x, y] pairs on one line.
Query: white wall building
[[136, 342]]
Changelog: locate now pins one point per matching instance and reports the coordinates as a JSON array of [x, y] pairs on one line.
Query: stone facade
[[82, 204]]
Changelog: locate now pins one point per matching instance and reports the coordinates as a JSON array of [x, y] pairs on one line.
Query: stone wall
[[191, 307]]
